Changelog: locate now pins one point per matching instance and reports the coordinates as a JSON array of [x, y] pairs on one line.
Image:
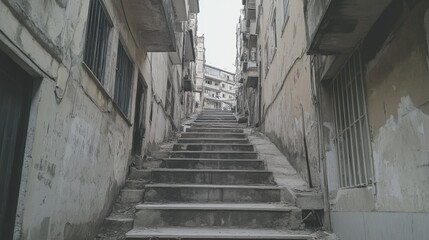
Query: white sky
[[217, 20]]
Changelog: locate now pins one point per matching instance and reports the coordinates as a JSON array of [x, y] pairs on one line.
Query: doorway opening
[[139, 118], [16, 87]]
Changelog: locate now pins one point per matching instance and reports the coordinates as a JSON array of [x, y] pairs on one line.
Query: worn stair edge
[[214, 140], [266, 207], [209, 170], [214, 186], [216, 233]]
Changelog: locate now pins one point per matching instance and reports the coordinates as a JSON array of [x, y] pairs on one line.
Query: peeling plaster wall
[[287, 86], [397, 83], [78, 147]]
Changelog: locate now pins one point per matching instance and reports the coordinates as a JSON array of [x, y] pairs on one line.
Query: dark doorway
[[15, 99], [139, 117]]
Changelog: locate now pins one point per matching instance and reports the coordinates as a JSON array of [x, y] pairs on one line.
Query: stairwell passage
[[211, 185]]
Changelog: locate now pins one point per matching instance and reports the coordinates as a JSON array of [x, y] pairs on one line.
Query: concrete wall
[[286, 87], [78, 146]]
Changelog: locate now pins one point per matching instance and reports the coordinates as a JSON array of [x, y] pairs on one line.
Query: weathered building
[[85, 88], [344, 88], [199, 73], [219, 89]]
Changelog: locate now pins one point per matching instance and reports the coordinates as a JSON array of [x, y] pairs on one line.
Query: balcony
[[337, 26], [252, 75], [152, 23], [188, 84]]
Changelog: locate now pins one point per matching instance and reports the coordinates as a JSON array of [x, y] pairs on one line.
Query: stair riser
[[215, 155], [137, 174], [218, 238], [214, 125], [215, 113], [185, 147], [218, 135], [216, 118], [213, 164], [226, 141], [114, 225], [235, 178], [206, 195], [135, 184], [215, 218], [221, 130], [131, 196], [215, 121]]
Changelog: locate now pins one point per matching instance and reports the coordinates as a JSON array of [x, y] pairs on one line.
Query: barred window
[[351, 123], [97, 39], [124, 76]]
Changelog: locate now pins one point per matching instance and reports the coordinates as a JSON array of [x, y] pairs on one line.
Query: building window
[[223, 95], [216, 84], [230, 87], [351, 124], [223, 85], [124, 76], [285, 12], [97, 40]]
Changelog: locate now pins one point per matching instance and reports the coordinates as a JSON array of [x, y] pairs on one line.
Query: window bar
[[95, 63], [340, 135], [346, 123], [351, 120], [369, 153], [358, 79], [89, 51], [337, 127], [355, 117]]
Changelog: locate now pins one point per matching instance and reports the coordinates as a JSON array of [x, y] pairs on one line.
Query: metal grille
[[124, 76], [97, 38], [352, 132]]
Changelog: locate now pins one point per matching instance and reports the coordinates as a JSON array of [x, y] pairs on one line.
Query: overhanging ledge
[[344, 24], [151, 23]]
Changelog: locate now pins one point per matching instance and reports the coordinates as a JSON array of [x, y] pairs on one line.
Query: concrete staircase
[[211, 185]]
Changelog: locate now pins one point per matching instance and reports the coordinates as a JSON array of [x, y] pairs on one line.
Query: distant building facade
[[199, 73], [219, 89], [351, 84]]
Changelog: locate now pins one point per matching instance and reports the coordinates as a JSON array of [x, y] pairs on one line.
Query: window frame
[[118, 93], [352, 136], [90, 60]]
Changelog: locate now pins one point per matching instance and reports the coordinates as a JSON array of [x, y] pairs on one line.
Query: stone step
[[134, 184], [255, 215], [216, 117], [196, 163], [212, 147], [215, 154], [214, 135], [212, 130], [131, 195], [212, 176], [211, 193], [213, 140], [215, 121], [185, 233], [217, 125]]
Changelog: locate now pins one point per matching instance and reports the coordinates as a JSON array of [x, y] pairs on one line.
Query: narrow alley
[[214, 119]]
